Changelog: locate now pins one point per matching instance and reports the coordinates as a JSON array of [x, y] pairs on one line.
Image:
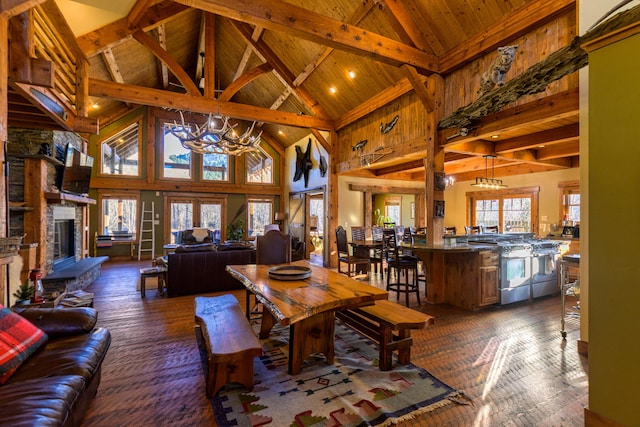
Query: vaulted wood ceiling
[[275, 61]]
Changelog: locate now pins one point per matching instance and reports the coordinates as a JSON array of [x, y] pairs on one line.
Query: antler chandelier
[[215, 136]]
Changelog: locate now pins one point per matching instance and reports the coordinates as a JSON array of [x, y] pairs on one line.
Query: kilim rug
[[351, 392]]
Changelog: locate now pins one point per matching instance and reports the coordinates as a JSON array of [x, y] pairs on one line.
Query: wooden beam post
[[434, 160], [4, 75]]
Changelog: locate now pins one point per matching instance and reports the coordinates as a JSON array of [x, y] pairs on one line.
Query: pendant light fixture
[[486, 182]]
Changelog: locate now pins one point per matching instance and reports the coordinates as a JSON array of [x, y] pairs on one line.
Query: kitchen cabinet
[[489, 278]]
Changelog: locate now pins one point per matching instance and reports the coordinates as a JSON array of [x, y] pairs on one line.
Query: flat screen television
[[75, 174]]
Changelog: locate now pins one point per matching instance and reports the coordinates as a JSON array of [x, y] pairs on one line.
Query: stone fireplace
[[63, 253]]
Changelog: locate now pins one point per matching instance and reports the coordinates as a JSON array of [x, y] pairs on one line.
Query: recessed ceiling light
[[333, 89], [280, 132], [95, 105], [495, 136], [541, 146], [352, 74]]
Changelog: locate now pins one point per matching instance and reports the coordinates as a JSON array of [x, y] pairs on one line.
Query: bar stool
[[401, 264]]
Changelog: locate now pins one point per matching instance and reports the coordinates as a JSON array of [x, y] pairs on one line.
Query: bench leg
[[385, 355], [404, 352], [142, 286], [238, 371]]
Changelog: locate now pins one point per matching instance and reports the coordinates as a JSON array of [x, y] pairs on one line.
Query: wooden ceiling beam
[[288, 77], [244, 80], [556, 151], [163, 69], [406, 24], [137, 11], [164, 56], [553, 107], [419, 87], [257, 33], [512, 26], [11, 8], [284, 17], [535, 140], [390, 94], [118, 31], [198, 104]]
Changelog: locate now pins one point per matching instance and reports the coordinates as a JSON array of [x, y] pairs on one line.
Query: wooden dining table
[[306, 305]]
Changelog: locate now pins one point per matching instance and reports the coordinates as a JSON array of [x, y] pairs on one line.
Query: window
[[195, 211], [513, 211], [570, 201], [118, 214], [259, 167], [392, 209], [176, 160], [120, 152], [215, 167], [260, 213]]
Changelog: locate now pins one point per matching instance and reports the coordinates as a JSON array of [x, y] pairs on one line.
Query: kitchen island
[[460, 274]]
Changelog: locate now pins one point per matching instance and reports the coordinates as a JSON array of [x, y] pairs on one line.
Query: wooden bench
[[229, 341], [390, 325]]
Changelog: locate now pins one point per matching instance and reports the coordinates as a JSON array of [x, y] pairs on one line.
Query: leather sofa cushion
[[77, 355], [60, 323], [43, 401]]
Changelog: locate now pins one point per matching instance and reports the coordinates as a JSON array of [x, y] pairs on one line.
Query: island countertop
[[448, 248]]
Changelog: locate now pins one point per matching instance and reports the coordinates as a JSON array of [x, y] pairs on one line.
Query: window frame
[[257, 199], [196, 199], [163, 122], [523, 192], [139, 120], [246, 167], [123, 194], [566, 188]]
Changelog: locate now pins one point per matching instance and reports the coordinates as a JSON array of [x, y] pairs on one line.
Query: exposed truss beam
[[281, 16]]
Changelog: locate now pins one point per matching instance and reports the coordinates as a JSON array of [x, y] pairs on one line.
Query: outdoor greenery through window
[[176, 160], [120, 153], [119, 215], [570, 201], [260, 213], [259, 167], [195, 211], [513, 211]]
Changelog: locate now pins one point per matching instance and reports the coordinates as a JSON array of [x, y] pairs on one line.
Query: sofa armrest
[[59, 322]]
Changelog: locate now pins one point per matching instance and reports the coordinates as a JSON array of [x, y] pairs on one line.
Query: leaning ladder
[[147, 231]]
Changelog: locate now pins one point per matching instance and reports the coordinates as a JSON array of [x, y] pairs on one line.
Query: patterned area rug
[[351, 392]]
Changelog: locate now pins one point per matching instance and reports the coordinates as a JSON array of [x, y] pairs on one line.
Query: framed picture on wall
[[438, 209], [439, 181]]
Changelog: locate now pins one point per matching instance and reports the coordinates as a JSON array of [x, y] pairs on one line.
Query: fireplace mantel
[[67, 197]]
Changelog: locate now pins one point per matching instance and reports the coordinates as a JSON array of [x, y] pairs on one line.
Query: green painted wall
[[614, 234]]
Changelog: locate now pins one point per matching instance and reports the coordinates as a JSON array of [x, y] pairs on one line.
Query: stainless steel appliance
[[544, 268], [528, 266]]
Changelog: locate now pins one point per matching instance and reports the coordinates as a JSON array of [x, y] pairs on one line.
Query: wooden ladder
[[147, 231]]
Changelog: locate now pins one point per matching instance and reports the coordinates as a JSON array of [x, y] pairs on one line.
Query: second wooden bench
[[390, 325], [229, 340]]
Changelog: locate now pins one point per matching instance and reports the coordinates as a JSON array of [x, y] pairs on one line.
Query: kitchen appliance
[[528, 266], [544, 268]]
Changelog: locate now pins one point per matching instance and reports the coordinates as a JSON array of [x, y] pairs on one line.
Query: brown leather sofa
[[191, 273], [56, 384]]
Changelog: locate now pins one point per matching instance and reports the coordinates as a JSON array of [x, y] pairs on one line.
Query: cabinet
[[489, 278]]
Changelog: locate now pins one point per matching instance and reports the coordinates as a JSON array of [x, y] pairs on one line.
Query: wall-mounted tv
[[75, 175]]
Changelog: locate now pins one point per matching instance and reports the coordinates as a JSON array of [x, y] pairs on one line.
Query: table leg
[[142, 285], [314, 334]]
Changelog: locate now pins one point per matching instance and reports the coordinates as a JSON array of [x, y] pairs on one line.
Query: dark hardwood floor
[[511, 360]]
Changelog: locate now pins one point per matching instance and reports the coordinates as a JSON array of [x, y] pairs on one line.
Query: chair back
[[450, 231], [471, 229], [389, 244], [376, 233], [273, 248], [490, 229], [407, 235], [358, 233], [341, 241]]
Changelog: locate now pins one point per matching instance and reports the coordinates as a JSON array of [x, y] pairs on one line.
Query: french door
[[192, 211]]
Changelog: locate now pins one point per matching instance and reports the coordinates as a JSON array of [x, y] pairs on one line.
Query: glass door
[[190, 212]]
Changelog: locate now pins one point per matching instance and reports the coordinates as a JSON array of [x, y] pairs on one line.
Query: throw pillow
[[19, 338]]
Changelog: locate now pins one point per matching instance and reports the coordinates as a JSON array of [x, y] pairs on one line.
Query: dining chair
[[400, 264], [490, 229], [450, 231], [272, 248], [472, 229], [375, 256], [345, 256]]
